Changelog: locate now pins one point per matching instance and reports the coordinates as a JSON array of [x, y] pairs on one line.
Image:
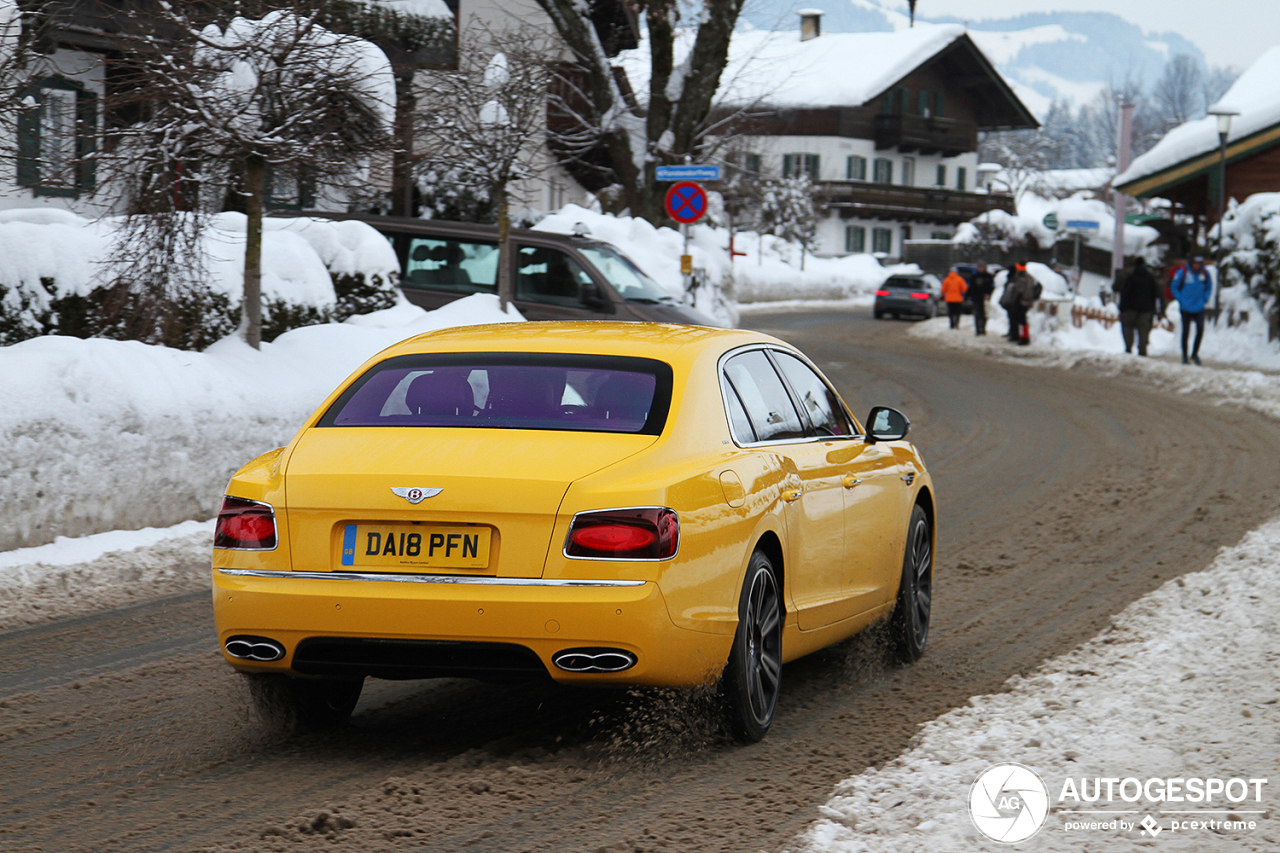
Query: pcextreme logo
[[1008, 803]]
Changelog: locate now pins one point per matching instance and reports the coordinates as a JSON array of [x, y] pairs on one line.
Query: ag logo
[[415, 496], [1008, 803]]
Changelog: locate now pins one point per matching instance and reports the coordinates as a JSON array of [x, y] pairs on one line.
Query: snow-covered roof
[[1255, 96], [835, 69]]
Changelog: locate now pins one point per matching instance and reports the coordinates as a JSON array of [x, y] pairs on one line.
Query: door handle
[[790, 495], [850, 481]]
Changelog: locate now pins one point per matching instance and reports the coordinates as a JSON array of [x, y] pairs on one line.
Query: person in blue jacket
[[1192, 287]]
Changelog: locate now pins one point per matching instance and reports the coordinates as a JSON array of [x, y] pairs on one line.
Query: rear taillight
[[919, 296], [245, 525], [646, 533], [882, 293]]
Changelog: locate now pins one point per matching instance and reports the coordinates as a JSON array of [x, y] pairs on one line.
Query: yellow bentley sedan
[[596, 503]]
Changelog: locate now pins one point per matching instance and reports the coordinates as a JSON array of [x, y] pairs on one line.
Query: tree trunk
[[402, 153], [251, 319], [506, 287]]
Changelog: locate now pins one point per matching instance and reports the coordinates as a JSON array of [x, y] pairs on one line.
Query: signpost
[[687, 172], [686, 203]]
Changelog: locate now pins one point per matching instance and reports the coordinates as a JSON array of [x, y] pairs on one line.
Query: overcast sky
[[1230, 32]]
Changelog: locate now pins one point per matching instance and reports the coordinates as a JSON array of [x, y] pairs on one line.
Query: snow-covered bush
[[1251, 238], [314, 270]]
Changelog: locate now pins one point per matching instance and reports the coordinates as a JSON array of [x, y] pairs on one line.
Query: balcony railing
[[926, 134], [913, 204]]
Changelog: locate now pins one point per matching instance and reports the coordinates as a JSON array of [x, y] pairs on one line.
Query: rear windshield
[[584, 393], [906, 283]]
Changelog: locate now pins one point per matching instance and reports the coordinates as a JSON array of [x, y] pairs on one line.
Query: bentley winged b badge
[[415, 496]]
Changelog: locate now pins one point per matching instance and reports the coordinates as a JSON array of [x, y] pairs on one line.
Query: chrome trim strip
[[395, 577]]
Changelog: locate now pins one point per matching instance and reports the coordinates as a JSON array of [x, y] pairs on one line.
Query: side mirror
[[886, 424]]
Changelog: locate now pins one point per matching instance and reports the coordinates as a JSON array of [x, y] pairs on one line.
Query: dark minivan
[[557, 277]]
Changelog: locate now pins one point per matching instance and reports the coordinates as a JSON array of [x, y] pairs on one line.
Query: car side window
[[767, 403], [457, 265], [826, 415], [549, 276], [738, 419]]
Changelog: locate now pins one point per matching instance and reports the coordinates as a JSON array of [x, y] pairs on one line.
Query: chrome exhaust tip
[[259, 649], [594, 660]]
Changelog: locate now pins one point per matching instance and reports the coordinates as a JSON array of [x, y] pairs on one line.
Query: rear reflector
[[245, 525], [645, 533], [882, 293], [919, 296]]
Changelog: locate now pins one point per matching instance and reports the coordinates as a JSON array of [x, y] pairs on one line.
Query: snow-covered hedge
[[1251, 237], [313, 270], [103, 434]]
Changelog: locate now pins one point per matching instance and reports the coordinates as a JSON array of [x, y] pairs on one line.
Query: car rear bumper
[[417, 626], [889, 305]]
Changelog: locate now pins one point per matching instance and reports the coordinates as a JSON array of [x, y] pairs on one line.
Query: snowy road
[[1064, 497]]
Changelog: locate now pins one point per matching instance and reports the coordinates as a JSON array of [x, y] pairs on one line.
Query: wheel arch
[[771, 545]]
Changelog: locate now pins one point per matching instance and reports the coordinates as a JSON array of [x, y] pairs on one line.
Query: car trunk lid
[[480, 501]]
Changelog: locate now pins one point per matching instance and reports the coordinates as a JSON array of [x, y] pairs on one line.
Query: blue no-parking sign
[[686, 202]]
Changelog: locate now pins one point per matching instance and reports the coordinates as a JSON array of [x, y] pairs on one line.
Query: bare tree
[[677, 119], [1179, 93], [230, 104], [791, 208], [488, 122], [1025, 155], [1217, 82]]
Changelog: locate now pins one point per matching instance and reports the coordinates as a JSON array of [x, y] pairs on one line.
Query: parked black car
[[908, 296], [557, 276]]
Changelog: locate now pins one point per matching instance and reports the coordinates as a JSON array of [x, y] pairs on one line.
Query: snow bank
[[769, 272], [1029, 223], [1182, 685], [102, 434]]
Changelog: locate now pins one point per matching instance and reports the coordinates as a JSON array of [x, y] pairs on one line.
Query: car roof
[[441, 228], [665, 342]]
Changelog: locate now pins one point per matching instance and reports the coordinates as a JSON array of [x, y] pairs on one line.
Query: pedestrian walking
[[981, 286], [1141, 298], [1022, 292], [1192, 287], [953, 289]]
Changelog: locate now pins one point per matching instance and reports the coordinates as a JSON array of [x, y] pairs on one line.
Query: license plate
[[399, 546]]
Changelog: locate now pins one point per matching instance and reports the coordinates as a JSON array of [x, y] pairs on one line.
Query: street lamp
[[1224, 115]]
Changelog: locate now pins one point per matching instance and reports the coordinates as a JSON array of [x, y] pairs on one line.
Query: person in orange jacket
[[954, 287]]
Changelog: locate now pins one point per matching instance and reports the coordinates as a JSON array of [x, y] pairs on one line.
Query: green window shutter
[[29, 141], [922, 102], [812, 165], [937, 104], [86, 141], [856, 168], [942, 175], [788, 164], [961, 178]]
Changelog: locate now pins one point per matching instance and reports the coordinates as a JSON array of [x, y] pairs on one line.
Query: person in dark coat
[[1141, 297], [981, 285]]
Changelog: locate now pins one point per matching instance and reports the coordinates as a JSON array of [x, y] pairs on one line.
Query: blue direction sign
[[686, 202], [1083, 224], [687, 173]]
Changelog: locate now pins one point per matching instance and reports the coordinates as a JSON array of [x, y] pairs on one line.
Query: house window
[[882, 240], [855, 238], [908, 171], [883, 170], [286, 190], [942, 176], [923, 105], [57, 134], [794, 165], [751, 164], [961, 179], [855, 168], [939, 235], [895, 101]]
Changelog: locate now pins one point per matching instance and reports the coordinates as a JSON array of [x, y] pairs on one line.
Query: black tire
[[753, 676], [909, 627], [877, 314], [302, 702]]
